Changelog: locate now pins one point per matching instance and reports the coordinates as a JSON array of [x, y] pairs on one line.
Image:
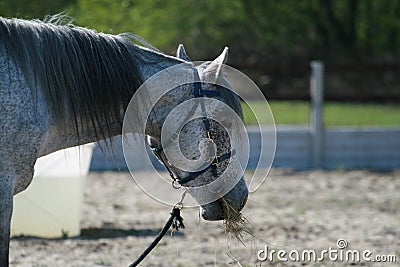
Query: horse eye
[[152, 143], [152, 147]]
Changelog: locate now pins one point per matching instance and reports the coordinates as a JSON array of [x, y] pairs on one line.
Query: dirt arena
[[308, 210]]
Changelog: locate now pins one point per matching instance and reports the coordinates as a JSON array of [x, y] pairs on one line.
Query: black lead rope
[[175, 220]]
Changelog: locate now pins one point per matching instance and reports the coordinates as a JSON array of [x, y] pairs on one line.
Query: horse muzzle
[[236, 199]]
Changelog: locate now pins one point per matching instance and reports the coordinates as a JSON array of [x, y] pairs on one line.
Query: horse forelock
[[82, 74]]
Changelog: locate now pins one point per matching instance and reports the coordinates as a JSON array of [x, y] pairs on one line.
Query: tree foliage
[[333, 30], [33, 8]]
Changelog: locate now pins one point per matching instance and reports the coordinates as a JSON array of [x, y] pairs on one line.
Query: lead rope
[[175, 220]]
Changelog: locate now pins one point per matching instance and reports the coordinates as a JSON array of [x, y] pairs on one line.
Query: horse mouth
[[213, 211], [229, 206], [222, 209]]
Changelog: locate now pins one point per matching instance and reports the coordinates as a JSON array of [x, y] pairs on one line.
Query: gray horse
[[63, 85]]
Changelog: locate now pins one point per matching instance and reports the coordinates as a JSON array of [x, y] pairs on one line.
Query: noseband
[[176, 181]]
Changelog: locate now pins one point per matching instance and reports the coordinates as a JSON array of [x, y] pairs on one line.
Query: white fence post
[[316, 113]]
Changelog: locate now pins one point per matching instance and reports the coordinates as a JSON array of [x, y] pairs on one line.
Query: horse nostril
[[244, 201]]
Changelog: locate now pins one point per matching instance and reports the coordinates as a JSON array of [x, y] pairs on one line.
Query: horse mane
[[81, 73]]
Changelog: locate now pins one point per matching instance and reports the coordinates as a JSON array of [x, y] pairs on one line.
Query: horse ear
[[181, 53], [216, 65]]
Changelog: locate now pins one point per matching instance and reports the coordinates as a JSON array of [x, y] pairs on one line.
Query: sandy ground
[[292, 211]]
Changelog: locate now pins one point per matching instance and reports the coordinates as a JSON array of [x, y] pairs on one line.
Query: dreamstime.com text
[[340, 253]]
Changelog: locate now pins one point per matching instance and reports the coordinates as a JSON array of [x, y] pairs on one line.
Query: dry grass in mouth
[[237, 226], [234, 223]]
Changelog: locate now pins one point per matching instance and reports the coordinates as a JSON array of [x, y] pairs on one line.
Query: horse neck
[[149, 63]]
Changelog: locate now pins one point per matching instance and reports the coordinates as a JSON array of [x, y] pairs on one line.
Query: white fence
[[347, 148], [342, 148]]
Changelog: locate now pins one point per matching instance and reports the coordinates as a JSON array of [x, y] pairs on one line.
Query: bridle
[[177, 182]]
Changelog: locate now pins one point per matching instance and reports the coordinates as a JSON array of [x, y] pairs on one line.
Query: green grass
[[335, 113]]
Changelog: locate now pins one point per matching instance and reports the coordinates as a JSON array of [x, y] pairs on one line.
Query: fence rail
[[343, 148]]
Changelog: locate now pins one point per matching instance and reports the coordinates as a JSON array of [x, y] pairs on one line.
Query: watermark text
[[340, 253]]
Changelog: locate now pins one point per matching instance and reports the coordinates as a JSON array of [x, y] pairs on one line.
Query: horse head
[[198, 150]]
